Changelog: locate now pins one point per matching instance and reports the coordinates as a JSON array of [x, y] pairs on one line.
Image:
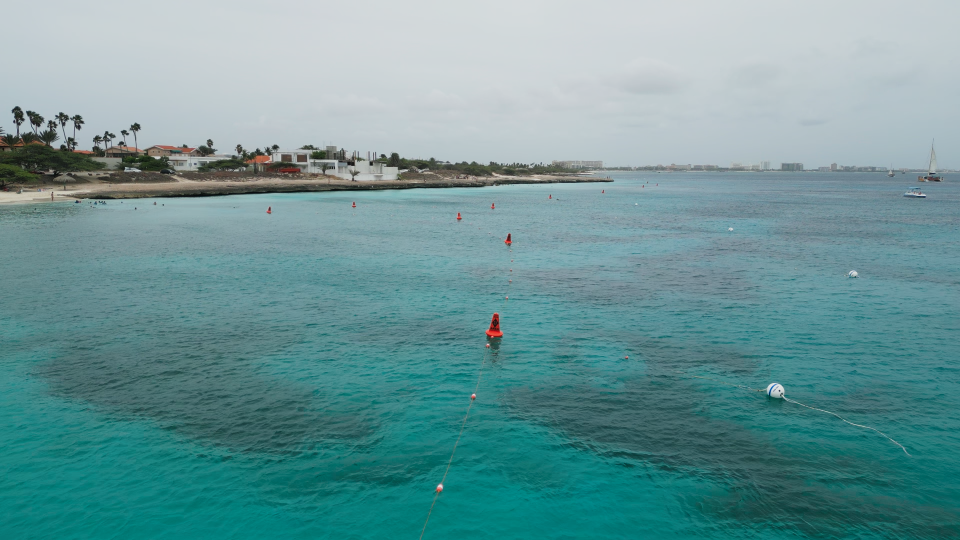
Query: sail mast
[[933, 161]]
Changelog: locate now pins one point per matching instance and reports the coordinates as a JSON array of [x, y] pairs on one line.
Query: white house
[[186, 162], [366, 170]]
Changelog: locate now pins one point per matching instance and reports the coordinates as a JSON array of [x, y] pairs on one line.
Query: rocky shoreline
[[214, 188]]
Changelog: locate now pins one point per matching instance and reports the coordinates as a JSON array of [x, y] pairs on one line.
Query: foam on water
[[202, 369]]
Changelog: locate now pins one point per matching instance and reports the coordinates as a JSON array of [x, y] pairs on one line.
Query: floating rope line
[[802, 405], [849, 422], [466, 415]]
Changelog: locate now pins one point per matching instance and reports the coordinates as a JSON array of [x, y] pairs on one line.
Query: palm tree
[[52, 125], [62, 119], [135, 128], [10, 140], [17, 118], [36, 121], [96, 142], [49, 136], [71, 144], [240, 150], [210, 144], [107, 139], [124, 133], [28, 138], [77, 124], [353, 174]]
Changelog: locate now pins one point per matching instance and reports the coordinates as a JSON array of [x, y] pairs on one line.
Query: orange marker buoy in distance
[[550, 196], [493, 206], [494, 330], [269, 209], [458, 216], [354, 204], [508, 241], [603, 191]]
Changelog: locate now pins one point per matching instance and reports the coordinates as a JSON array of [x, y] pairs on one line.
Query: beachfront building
[[366, 170], [576, 164], [121, 151], [161, 150], [187, 162], [791, 167]]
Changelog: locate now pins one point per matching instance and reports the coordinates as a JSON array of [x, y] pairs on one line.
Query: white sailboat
[[890, 173], [932, 169]]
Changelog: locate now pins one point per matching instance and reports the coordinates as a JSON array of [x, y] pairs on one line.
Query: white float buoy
[[730, 229], [775, 390], [853, 273]]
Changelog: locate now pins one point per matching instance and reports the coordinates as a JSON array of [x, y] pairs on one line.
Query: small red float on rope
[[473, 396], [354, 204], [439, 488], [493, 206], [494, 330], [269, 211], [603, 191], [626, 357], [488, 345], [458, 216], [550, 197], [508, 241]]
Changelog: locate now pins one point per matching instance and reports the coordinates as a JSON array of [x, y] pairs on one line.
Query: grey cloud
[[648, 76]]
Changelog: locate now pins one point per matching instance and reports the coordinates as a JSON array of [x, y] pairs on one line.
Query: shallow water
[[203, 370]]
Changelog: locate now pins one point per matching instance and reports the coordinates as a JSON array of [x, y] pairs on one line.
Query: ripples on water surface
[[204, 370]]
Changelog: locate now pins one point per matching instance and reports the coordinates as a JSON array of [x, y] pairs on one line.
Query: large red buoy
[[269, 210], [494, 330], [354, 204], [508, 241], [458, 216], [493, 206]]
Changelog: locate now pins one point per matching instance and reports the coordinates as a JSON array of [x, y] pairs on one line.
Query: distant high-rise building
[[791, 166], [833, 166], [764, 165]]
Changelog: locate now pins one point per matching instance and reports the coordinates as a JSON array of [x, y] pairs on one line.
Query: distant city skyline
[[623, 82]]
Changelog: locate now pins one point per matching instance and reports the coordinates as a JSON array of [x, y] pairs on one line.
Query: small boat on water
[[890, 173], [915, 193], [932, 169]]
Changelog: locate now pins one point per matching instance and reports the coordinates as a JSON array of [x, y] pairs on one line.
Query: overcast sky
[[628, 82]]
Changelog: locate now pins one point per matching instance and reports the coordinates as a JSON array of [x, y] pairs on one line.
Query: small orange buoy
[[493, 206], [473, 396], [550, 197], [507, 298], [354, 204], [494, 330], [269, 209], [603, 191], [626, 357], [458, 216], [508, 241], [488, 345], [439, 488]]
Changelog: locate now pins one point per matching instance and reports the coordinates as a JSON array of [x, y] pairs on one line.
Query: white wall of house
[[192, 163], [369, 172]]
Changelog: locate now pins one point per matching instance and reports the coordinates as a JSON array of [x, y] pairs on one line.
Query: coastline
[[182, 187]]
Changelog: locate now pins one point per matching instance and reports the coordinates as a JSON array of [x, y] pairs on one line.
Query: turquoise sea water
[[202, 369]]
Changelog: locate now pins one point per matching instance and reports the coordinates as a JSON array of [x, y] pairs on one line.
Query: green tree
[[11, 174], [17, 118], [77, 124], [135, 128], [123, 135], [36, 121], [96, 143], [10, 140], [353, 174], [35, 156], [28, 138], [62, 119], [394, 160], [318, 154], [240, 151], [49, 136]]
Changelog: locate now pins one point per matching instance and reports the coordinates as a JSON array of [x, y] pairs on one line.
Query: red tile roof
[[82, 152], [259, 159]]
